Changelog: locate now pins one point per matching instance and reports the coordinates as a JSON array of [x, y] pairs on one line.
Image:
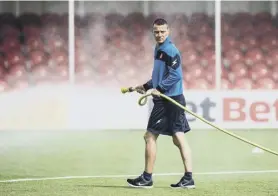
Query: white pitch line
[[125, 176]]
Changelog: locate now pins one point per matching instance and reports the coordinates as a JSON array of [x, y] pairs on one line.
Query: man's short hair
[[160, 21]]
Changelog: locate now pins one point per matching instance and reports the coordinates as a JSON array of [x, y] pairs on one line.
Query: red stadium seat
[[224, 74], [193, 72], [2, 71], [200, 84], [204, 42], [268, 43], [232, 56], [248, 43], [11, 43], [208, 58], [56, 43], [34, 43], [15, 57], [60, 73], [16, 73], [274, 74], [189, 57], [265, 83], [9, 31], [32, 31], [229, 43], [37, 57], [273, 57], [41, 72], [243, 84], [226, 84], [59, 57], [239, 70], [253, 56], [259, 71]]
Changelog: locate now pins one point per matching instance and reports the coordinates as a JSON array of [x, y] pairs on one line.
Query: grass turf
[[115, 152]]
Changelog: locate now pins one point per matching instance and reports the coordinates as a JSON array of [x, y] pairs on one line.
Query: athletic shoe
[[184, 183], [140, 182]]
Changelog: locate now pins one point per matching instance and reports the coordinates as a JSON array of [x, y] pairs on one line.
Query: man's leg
[[150, 153], [185, 152], [156, 124], [145, 180]]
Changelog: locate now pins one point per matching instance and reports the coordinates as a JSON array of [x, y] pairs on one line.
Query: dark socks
[[147, 176], [188, 175]]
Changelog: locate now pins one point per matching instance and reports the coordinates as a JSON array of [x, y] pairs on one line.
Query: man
[[165, 118]]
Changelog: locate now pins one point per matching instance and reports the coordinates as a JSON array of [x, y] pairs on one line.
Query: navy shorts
[[167, 118]]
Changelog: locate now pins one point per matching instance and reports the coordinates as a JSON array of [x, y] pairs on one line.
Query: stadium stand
[[249, 51], [124, 54], [118, 49], [33, 49]]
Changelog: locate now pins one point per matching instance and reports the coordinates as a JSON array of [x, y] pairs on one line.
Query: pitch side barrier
[[80, 107]]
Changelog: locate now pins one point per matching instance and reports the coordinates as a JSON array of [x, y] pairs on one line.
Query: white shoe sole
[[142, 187], [185, 187]]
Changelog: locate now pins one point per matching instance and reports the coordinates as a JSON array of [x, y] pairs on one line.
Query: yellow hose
[[143, 100]]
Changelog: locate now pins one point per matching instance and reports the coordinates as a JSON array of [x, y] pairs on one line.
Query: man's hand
[[140, 89], [155, 93]]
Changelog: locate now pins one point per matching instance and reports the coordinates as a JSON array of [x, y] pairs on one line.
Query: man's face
[[160, 33]]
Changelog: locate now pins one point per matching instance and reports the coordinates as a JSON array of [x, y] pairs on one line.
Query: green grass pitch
[[114, 152]]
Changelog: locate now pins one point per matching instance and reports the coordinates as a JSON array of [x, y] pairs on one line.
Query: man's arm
[[174, 75], [148, 85], [145, 87]]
